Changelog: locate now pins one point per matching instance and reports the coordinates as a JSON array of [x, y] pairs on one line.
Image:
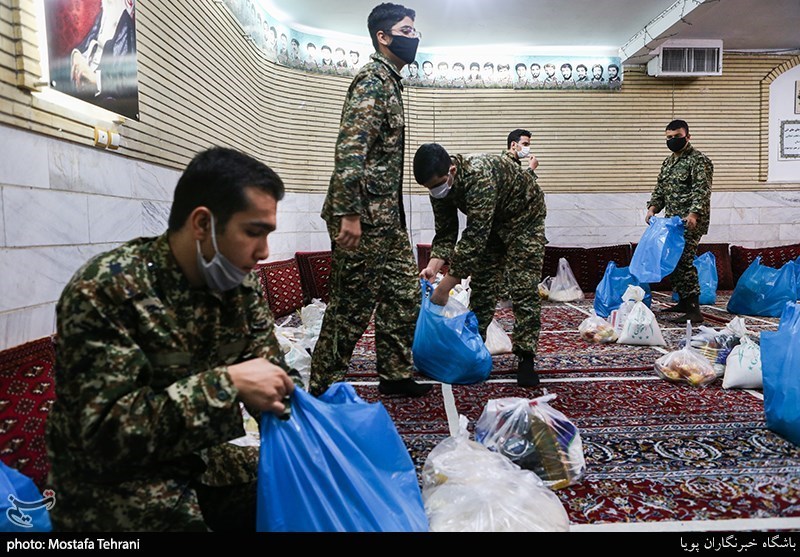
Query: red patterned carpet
[[655, 451]]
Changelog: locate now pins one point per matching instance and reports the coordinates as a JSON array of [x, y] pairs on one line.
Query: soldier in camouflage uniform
[[505, 211], [159, 340], [373, 267], [684, 189]]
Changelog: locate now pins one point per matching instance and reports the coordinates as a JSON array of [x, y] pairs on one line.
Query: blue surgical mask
[[219, 273]]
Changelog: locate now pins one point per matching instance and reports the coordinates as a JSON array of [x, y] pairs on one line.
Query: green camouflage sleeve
[[702, 174], [362, 115], [445, 216], [102, 370], [481, 199], [657, 199]]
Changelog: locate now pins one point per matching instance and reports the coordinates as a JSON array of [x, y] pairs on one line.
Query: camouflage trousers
[[684, 278], [378, 278], [516, 262]]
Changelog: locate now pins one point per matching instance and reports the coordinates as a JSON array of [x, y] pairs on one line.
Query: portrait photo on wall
[[92, 52]]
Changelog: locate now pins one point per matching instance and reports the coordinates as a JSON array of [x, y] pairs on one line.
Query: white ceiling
[[529, 26]]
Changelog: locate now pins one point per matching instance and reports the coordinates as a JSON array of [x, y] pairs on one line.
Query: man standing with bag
[[366, 220], [505, 211], [684, 189]]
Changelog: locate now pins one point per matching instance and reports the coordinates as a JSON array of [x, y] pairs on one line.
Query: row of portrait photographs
[[526, 75], [314, 53]]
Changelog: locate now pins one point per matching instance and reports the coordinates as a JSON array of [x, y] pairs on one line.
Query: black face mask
[[675, 144], [404, 48]]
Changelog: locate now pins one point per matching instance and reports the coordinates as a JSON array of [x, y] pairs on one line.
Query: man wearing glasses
[[373, 268], [504, 235]]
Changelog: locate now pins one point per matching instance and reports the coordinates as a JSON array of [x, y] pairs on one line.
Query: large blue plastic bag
[[764, 291], [609, 291], [706, 265], [447, 345], [336, 465], [780, 370], [659, 250], [22, 505]]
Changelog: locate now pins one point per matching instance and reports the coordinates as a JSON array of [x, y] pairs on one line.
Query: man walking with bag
[[684, 189]]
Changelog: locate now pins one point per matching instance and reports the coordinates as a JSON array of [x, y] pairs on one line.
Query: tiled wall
[[61, 203]]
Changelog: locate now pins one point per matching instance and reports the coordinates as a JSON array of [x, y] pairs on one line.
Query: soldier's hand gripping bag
[[535, 436], [447, 345], [336, 465]]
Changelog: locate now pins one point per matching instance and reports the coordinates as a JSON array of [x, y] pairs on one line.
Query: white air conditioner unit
[[686, 59]]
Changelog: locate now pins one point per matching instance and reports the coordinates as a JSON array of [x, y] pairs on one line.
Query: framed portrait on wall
[[92, 52]]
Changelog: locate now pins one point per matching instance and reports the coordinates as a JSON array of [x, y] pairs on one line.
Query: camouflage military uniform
[[505, 211], [380, 275], [683, 187], [145, 405]]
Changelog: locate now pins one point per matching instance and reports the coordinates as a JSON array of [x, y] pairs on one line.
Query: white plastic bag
[[497, 340], [596, 329], [468, 488], [462, 292], [535, 436], [630, 297], [564, 287], [743, 366], [686, 365], [640, 327], [311, 316]]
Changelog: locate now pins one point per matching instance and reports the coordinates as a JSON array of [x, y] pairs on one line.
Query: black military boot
[[680, 307], [692, 312], [526, 375]]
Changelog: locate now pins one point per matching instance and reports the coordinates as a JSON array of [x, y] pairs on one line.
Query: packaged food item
[[596, 329], [686, 365]]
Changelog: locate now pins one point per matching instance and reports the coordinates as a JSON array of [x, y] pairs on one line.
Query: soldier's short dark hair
[[384, 16], [430, 161], [217, 178], [521, 65], [678, 124], [514, 136]]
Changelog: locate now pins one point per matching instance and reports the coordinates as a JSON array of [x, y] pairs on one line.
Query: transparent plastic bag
[[544, 288], [686, 365], [468, 488], [535, 436], [596, 329], [497, 340], [564, 287]]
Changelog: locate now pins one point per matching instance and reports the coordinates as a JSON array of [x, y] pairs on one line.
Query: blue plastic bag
[[448, 347], [658, 252], [764, 291], [706, 265], [609, 291], [336, 465], [23, 507], [780, 368]]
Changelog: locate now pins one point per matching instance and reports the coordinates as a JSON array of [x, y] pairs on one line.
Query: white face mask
[[219, 273], [440, 192], [524, 152]]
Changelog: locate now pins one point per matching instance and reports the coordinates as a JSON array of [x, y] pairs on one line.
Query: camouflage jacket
[[684, 186], [367, 178], [497, 197], [142, 387]]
